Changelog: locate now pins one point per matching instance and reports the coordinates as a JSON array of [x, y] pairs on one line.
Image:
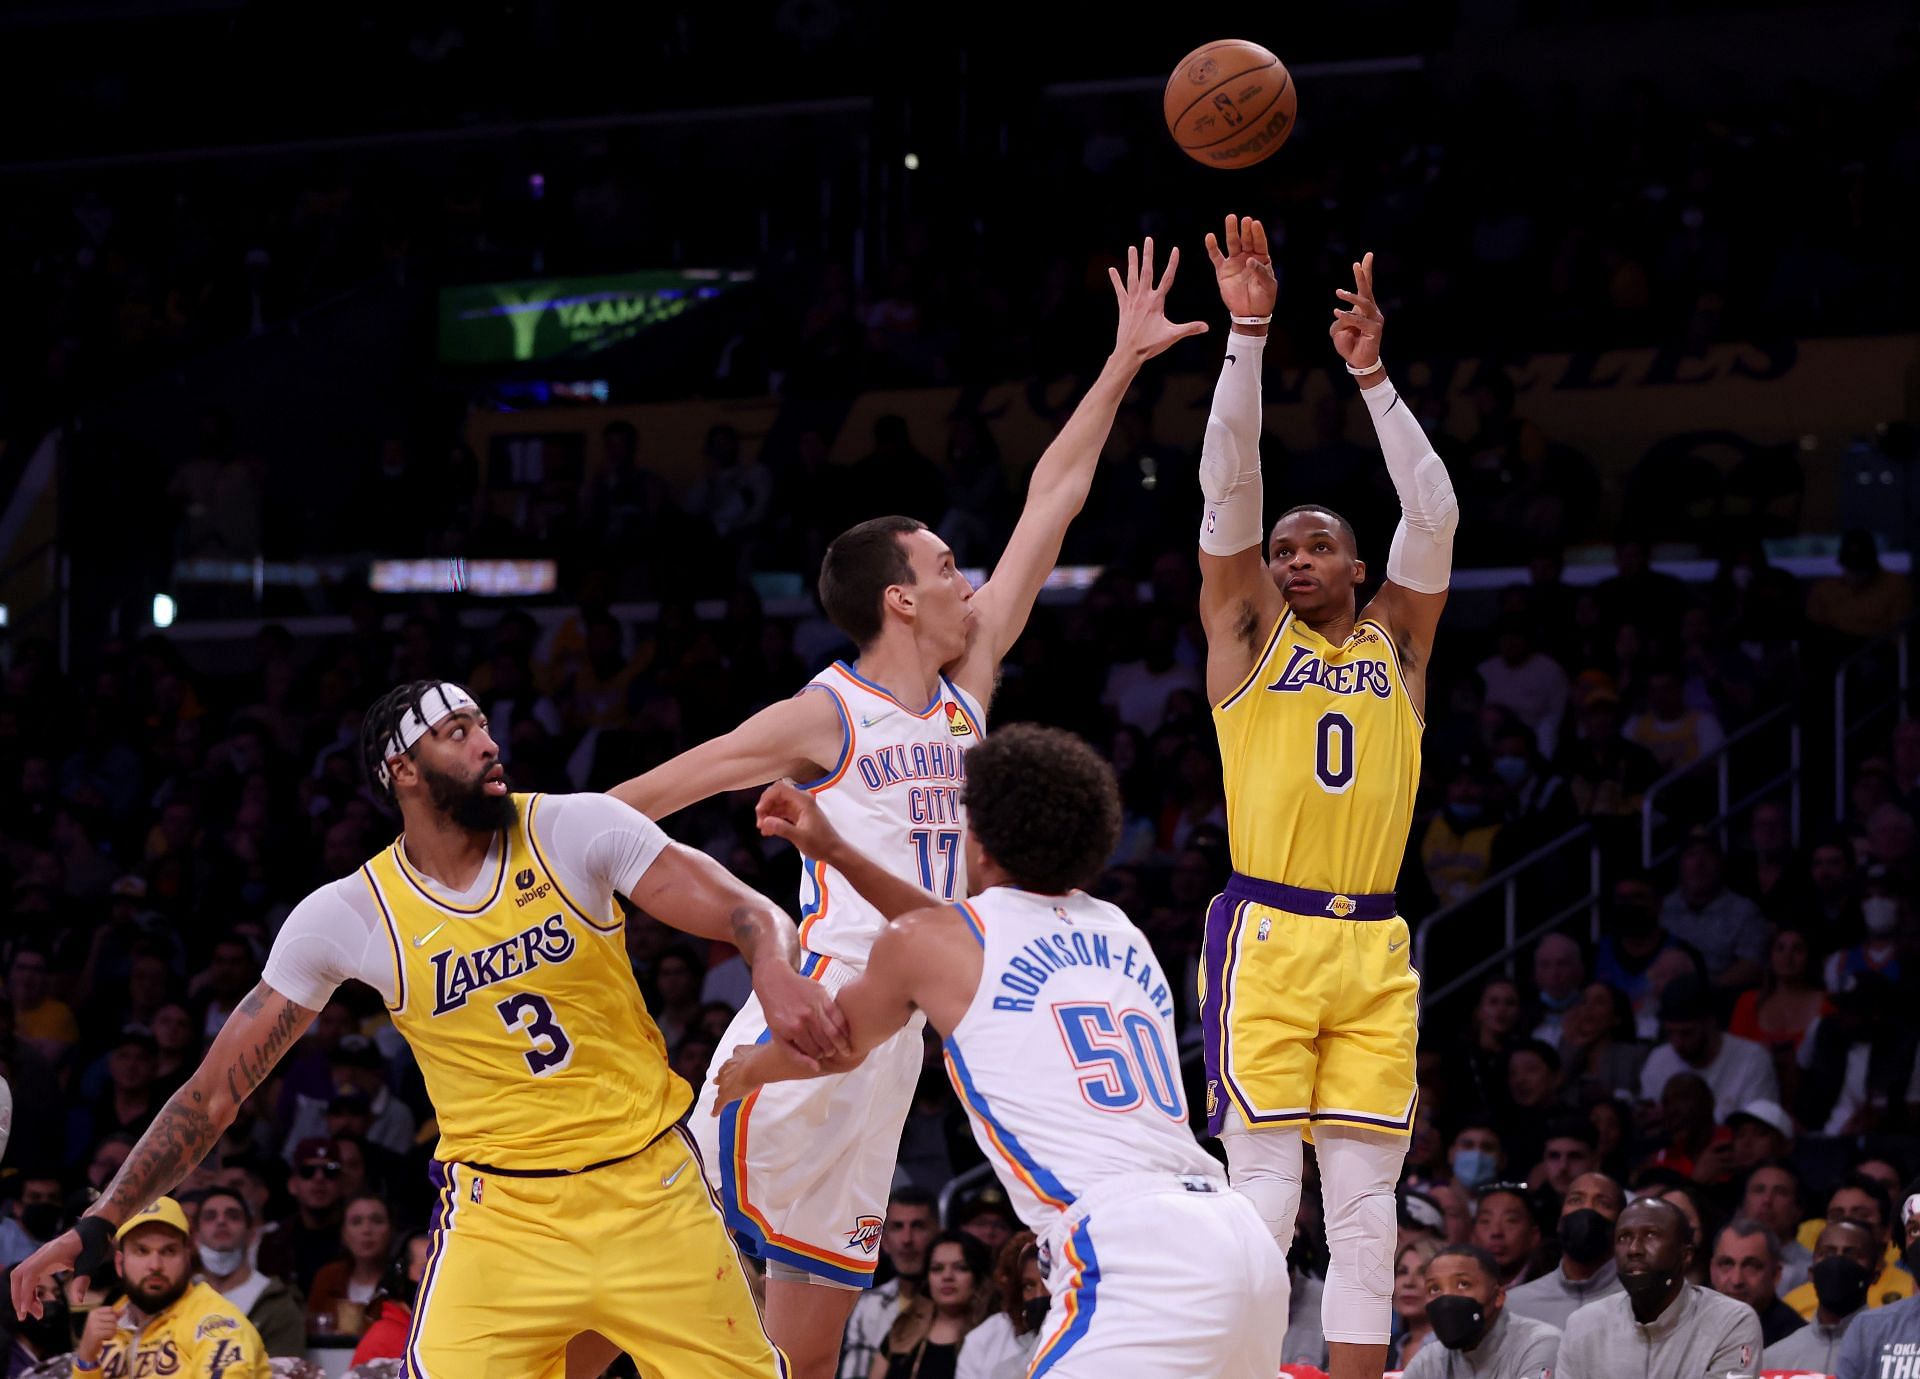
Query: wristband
[[1251, 320], [1375, 367], [85, 1366], [96, 1244]]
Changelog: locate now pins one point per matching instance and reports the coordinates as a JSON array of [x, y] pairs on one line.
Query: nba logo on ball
[[865, 1233]]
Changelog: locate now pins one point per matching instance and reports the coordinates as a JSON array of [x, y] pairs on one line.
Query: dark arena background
[[544, 346]]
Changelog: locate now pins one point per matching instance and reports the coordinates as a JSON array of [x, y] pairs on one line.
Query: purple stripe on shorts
[[1219, 944]]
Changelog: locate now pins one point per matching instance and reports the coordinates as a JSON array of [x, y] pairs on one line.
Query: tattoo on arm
[[178, 1139], [746, 934], [251, 1066]]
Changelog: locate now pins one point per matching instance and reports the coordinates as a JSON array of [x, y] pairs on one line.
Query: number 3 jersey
[[1066, 1059], [894, 794], [1320, 749], [515, 994]]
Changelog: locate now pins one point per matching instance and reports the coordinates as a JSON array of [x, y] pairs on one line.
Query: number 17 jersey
[[1320, 752], [894, 794]]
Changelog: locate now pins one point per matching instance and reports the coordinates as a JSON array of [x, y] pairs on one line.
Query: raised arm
[[925, 960], [1239, 603], [787, 812], [801, 737], [260, 1030], [1420, 561], [1061, 480], [696, 895]]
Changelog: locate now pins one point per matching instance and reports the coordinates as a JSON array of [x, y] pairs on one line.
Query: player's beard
[[467, 803], [154, 1296]]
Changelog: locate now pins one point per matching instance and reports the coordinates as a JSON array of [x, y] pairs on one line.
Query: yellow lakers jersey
[[523, 1013], [1320, 748]]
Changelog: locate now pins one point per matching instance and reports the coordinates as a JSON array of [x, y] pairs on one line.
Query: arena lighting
[[4, 615], [163, 610], [485, 578], [912, 161]]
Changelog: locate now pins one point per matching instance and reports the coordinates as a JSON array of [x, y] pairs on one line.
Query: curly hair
[[1044, 805], [382, 722]]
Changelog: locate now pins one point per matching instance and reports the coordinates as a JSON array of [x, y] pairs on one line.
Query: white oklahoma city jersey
[[894, 794], [1066, 1058]]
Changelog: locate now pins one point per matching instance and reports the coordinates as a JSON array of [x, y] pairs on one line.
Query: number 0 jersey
[[516, 995], [1320, 748], [894, 794], [1066, 1058]]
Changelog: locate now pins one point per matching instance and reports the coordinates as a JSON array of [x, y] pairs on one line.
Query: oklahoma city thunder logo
[[957, 721], [865, 1233]]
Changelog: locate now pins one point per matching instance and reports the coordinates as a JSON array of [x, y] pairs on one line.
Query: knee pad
[[1266, 1168], [1358, 1174]]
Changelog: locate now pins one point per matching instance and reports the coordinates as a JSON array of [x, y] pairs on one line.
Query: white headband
[[412, 727]]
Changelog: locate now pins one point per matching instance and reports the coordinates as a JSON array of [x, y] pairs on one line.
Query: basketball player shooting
[[568, 1196], [1308, 1003], [803, 1170]]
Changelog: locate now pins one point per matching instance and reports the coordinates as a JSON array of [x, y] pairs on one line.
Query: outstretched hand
[[1243, 268], [1357, 328], [1144, 328]]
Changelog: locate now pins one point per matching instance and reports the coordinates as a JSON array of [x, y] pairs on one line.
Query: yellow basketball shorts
[[635, 1250], [1309, 1008]]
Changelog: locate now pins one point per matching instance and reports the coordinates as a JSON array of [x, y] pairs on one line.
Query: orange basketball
[[1230, 104]]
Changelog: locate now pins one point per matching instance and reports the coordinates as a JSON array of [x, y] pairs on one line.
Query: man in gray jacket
[[1846, 1258], [1587, 1272], [1660, 1326], [1480, 1338]]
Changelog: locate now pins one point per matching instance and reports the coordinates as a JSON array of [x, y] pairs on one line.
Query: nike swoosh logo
[[1396, 947], [1229, 359], [422, 940], [674, 1176]]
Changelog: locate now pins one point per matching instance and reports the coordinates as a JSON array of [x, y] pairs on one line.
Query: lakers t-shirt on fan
[[516, 994]]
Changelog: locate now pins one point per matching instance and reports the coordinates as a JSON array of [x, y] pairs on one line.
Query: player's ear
[[899, 598], [1359, 571]]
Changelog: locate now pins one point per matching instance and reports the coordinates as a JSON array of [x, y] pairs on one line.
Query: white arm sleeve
[[1421, 557], [597, 843], [327, 940], [1230, 453]]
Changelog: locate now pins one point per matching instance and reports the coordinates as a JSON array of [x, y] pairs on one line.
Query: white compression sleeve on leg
[[1421, 557], [1265, 1167], [1230, 453], [1358, 1171]]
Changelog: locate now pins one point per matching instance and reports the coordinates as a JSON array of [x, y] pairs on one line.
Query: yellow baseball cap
[[164, 1212]]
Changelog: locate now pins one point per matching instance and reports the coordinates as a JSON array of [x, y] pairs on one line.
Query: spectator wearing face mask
[[1586, 1272], [1879, 952], [26, 1343], [32, 1218], [1476, 1155], [1002, 1345], [1865, 1200], [1480, 1336], [1559, 979], [220, 1235], [1885, 1342], [1844, 1263], [1659, 1326]]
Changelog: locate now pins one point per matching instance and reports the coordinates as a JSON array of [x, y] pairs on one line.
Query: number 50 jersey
[[894, 793], [1066, 1058]]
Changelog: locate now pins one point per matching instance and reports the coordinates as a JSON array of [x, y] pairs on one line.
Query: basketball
[[1230, 104]]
